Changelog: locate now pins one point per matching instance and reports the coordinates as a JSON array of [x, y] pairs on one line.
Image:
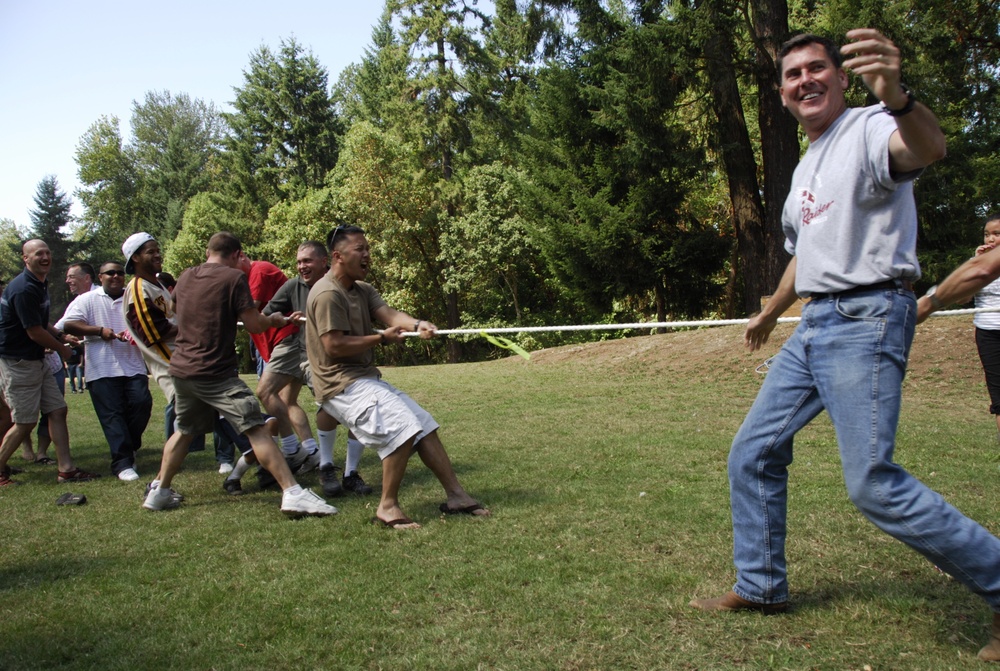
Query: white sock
[[354, 450], [310, 446], [241, 467], [155, 484], [326, 441], [294, 490], [289, 444]]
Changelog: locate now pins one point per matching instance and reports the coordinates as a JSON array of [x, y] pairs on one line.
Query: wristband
[[905, 109], [416, 326]]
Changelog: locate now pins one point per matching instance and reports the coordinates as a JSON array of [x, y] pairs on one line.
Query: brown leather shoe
[[734, 602], [991, 651]]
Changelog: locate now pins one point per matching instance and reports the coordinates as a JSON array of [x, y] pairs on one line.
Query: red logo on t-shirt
[[810, 210]]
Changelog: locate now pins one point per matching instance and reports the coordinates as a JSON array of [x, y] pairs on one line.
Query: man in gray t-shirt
[[850, 223]]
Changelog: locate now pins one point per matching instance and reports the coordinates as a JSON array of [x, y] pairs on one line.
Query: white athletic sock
[[240, 469], [310, 445], [294, 490], [326, 441], [354, 450], [289, 444]]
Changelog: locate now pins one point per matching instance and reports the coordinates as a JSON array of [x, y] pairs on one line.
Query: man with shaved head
[[26, 383]]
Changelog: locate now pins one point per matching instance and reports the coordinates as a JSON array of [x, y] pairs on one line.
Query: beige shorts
[[287, 360], [198, 402], [27, 387]]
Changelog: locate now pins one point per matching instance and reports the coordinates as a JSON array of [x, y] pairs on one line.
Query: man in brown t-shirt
[[209, 299], [340, 342]]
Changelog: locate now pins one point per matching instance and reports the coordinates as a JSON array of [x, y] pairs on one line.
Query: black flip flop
[[71, 499]]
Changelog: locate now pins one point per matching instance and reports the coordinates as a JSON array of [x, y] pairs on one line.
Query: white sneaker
[[128, 475], [160, 498], [225, 468], [306, 503]]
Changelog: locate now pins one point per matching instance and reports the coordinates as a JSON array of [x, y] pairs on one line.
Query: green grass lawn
[[605, 468]]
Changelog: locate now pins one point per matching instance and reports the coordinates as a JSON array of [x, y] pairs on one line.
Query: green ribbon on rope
[[506, 344]]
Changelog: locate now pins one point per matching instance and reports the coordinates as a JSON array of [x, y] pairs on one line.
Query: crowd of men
[[183, 335]]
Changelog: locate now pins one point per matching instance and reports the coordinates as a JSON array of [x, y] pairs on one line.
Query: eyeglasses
[[332, 238], [114, 273]]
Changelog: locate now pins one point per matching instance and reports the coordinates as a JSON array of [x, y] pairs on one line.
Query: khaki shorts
[[287, 360], [27, 387], [380, 416], [198, 402]]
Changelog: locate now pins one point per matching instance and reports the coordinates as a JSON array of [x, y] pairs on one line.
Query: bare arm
[[255, 322], [759, 329], [962, 284], [43, 336], [82, 328], [394, 318], [919, 140]]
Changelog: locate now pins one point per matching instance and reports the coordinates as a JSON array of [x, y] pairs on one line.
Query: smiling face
[[310, 264], [112, 277], [812, 88], [77, 280], [37, 258], [148, 260]]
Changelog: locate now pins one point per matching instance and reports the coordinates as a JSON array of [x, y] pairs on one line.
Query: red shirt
[[265, 280]]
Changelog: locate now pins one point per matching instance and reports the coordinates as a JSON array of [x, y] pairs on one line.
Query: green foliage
[[207, 214], [175, 142], [110, 194], [283, 135], [289, 224], [382, 188], [611, 165], [11, 241]]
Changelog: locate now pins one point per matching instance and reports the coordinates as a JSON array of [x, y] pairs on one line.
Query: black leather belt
[[887, 285]]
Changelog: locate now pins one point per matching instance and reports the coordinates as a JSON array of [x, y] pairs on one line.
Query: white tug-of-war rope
[[645, 325], [652, 325]]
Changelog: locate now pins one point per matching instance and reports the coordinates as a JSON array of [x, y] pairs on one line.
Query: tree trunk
[[779, 136], [741, 168]]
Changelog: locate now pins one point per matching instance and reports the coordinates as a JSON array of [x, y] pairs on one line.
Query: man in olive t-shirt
[[340, 343]]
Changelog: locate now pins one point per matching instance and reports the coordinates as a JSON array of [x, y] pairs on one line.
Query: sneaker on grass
[[306, 503], [232, 486], [354, 483], [128, 475], [160, 498], [330, 481], [177, 494], [225, 468]]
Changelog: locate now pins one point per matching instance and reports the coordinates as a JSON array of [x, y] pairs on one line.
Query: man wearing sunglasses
[[116, 373]]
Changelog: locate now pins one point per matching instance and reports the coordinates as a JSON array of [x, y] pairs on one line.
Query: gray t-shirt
[[847, 220]]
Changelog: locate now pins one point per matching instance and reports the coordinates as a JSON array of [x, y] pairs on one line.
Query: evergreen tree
[[283, 135], [175, 141], [48, 221]]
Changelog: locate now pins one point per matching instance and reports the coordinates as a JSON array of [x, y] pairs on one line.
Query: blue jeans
[[847, 356], [123, 406]]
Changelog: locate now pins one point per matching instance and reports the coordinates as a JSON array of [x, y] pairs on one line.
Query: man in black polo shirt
[[26, 383]]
